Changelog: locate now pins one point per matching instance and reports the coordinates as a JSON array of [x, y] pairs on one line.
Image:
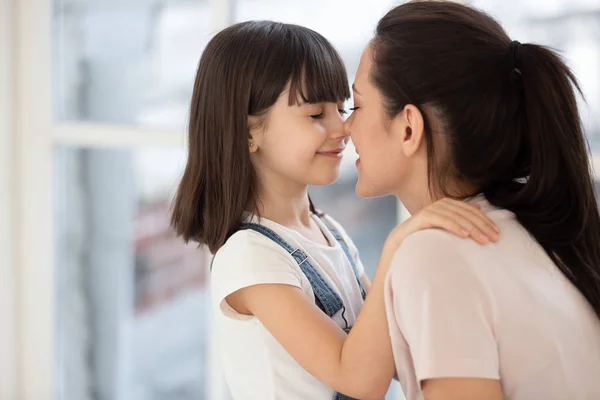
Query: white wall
[[7, 325]]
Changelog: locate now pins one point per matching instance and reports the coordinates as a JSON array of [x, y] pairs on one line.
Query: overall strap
[[340, 239], [325, 296]]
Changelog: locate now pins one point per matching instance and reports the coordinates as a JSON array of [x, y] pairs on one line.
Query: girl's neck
[[287, 205]]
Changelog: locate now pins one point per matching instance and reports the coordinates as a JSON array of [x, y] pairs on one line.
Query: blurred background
[[99, 299]]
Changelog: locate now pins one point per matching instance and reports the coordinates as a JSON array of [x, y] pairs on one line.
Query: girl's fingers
[[475, 209], [466, 224], [476, 217], [433, 219], [457, 217], [470, 209]]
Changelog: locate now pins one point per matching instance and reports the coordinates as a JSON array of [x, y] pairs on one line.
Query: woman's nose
[[347, 126]]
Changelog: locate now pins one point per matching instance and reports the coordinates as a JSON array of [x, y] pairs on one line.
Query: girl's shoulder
[[248, 246], [247, 259]]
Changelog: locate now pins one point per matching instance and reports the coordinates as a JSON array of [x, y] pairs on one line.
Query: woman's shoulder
[[426, 252], [437, 263]]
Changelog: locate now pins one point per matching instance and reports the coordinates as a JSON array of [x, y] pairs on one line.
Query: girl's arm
[[359, 364]]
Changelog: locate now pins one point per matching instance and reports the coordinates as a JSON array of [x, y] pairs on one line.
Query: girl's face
[[300, 144]]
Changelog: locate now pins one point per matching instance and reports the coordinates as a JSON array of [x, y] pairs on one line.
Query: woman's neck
[[420, 196]]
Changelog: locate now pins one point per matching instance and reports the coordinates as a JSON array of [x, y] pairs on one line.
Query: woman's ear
[[409, 127]]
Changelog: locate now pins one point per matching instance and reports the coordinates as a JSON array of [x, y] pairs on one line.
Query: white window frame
[[28, 135]]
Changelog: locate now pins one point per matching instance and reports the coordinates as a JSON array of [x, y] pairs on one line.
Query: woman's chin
[[363, 189]]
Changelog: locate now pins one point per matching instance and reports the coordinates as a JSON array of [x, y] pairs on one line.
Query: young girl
[[445, 100], [266, 122]]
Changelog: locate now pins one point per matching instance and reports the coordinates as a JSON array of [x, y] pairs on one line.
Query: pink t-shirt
[[499, 311]]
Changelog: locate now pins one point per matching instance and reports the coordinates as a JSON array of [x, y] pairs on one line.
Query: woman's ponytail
[[555, 201]]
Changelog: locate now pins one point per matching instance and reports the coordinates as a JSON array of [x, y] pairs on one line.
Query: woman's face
[[381, 164], [392, 151]]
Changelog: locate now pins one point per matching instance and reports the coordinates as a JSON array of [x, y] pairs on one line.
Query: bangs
[[321, 75]]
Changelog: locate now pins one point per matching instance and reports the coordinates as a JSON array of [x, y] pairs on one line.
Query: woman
[[447, 105]]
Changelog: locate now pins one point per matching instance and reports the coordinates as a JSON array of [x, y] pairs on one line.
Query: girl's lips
[[338, 153]]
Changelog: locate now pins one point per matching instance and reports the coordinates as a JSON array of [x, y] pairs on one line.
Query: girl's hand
[[457, 217]]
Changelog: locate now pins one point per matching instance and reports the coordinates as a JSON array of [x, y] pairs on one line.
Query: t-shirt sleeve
[[247, 259], [442, 308], [351, 246]]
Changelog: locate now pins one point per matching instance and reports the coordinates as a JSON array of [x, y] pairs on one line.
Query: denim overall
[[326, 297]]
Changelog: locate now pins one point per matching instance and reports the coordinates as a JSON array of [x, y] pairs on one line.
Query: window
[[132, 298], [128, 62]]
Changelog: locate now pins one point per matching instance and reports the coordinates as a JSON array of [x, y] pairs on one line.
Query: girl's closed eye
[[341, 110], [321, 113], [315, 111]]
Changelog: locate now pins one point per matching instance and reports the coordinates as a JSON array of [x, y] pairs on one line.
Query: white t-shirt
[[500, 311], [255, 365]]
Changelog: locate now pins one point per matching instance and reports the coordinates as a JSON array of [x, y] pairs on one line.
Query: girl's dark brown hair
[[508, 114], [242, 72]]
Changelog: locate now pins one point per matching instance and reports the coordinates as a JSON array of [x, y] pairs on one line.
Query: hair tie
[[514, 61]]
